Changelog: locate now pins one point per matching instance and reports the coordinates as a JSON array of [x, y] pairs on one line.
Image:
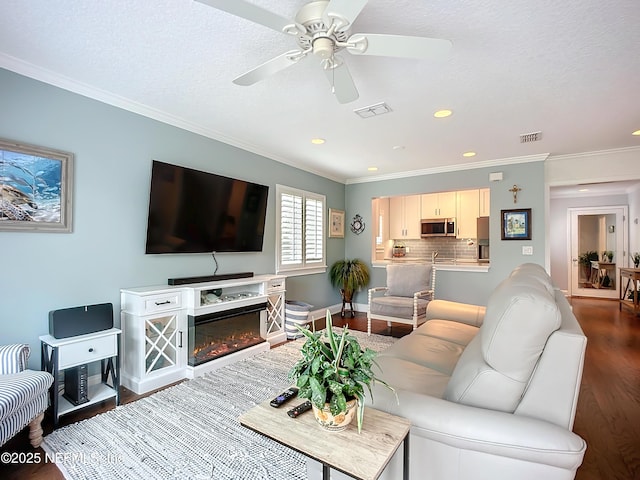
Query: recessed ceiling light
[[637, 133], [583, 190], [398, 147], [318, 141], [373, 169], [469, 154], [442, 113]]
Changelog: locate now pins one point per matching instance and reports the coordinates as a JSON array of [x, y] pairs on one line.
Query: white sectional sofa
[[491, 392]]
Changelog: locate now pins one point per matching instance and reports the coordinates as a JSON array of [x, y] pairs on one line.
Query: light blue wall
[[471, 287], [113, 151]]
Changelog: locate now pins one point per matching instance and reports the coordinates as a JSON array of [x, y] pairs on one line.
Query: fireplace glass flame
[[214, 335]]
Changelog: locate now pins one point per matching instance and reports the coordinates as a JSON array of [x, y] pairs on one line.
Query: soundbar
[[209, 278]]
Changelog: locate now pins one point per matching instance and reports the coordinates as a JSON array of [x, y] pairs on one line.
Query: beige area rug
[[190, 431]]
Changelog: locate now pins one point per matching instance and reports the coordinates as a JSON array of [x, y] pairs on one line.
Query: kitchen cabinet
[[485, 209], [468, 207], [438, 205], [404, 217]]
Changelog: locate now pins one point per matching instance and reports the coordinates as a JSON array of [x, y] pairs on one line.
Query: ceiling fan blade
[[270, 67], [250, 12], [344, 9], [399, 46], [342, 83]]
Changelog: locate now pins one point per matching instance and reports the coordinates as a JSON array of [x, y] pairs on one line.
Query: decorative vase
[[338, 422]]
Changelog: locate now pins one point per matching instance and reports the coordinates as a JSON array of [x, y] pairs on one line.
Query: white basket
[[295, 313]]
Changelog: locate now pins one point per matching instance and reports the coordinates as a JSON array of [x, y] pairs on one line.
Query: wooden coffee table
[[363, 456]]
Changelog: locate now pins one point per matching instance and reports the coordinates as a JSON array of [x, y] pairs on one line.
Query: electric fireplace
[[215, 335]]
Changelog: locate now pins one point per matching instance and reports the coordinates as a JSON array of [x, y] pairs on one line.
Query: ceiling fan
[[323, 27]]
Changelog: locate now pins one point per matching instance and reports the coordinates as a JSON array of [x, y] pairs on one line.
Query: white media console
[[154, 323]]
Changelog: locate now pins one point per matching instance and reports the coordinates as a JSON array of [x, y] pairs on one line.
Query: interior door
[[603, 232]]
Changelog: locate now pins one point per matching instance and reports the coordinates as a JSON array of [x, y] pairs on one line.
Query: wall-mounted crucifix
[[515, 189]]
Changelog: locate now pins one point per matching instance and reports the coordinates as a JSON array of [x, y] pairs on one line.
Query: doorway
[[598, 240]]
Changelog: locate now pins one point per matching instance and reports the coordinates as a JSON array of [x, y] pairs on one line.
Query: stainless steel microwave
[[438, 227]]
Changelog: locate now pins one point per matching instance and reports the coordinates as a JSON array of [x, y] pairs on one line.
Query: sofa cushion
[[448, 330], [475, 383], [19, 389], [400, 307], [440, 355], [532, 272], [403, 374], [493, 374], [405, 280], [518, 321]]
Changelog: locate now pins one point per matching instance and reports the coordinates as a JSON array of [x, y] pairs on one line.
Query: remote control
[[284, 397], [300, 409]]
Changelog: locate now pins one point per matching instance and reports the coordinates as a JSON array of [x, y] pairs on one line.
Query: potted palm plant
[[332, 374], [350, 276]]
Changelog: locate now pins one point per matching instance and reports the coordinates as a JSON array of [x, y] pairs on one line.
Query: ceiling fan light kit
[[323, 27]]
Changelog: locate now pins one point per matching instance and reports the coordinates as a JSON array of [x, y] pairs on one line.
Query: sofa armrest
[[456, 311], [13, 358], [487, 431]]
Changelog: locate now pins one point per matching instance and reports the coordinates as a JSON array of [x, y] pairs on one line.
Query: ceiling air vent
[[530, 137], [373, 110]]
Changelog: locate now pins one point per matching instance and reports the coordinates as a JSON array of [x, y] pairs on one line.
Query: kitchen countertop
[[443, 264]]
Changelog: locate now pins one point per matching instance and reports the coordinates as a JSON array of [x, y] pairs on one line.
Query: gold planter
[[338, 422]]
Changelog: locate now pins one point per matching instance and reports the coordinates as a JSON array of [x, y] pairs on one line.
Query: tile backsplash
[[447, 247]]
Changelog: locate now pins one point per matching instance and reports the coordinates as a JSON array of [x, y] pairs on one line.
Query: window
[[300, 246]]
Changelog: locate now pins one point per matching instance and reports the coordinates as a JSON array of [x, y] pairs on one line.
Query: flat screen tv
[[198, 212]]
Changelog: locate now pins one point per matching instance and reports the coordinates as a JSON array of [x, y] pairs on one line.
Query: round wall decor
[[357, 225]]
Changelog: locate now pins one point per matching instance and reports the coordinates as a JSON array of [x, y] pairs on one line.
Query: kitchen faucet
[[434, 255]]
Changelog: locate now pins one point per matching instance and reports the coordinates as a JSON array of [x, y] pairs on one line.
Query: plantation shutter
[[291, 229], [314, 230], [300, 237]]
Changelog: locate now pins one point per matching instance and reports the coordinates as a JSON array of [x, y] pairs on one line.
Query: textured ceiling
[[570, 69]]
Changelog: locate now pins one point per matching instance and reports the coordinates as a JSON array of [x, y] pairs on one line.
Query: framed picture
[[336, 223], [35, 188], [516, 224]]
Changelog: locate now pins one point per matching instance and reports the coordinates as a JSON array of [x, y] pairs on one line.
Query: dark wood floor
[[608, 415]]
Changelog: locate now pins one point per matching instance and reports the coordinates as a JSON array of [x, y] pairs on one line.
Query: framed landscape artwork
[[35, 188], [516, 224]]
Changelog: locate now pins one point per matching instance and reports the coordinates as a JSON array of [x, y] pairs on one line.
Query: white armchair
[[409, 289], [23, 394]]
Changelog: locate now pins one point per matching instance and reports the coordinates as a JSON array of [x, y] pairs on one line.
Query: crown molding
[[55, 79], [52, 78], [452, 168], [595, 153]]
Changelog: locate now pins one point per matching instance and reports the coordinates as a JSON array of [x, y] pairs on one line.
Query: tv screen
[[198, 212]]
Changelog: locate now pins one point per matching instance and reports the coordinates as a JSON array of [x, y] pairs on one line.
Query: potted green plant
[[350, 276], [608, 254], [585, 260], [332, 374], [636, 259]]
